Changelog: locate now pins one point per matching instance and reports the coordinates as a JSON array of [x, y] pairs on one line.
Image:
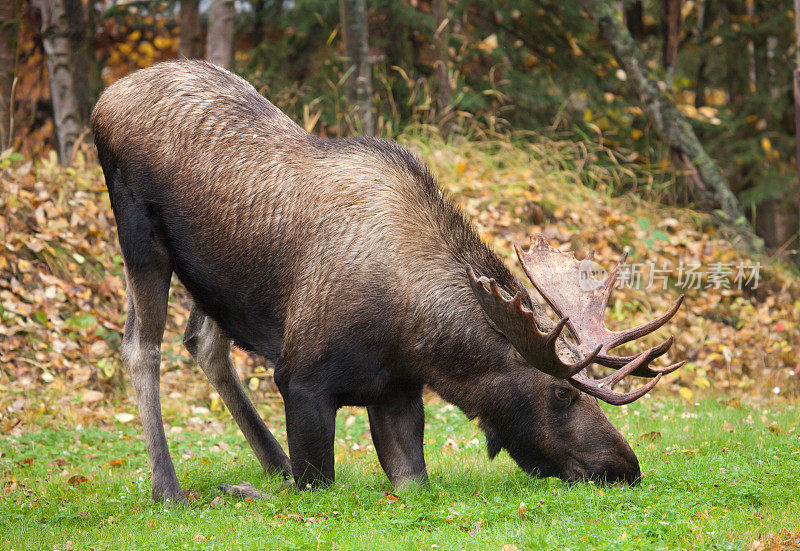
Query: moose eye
[[562, 394]]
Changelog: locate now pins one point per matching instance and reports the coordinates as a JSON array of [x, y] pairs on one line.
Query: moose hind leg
[[212, 351], [148, 270], [148, 289], [397, 426]]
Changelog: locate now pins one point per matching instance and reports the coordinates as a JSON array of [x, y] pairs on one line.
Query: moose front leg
[[310, 419], [397, 425], [141, 353]]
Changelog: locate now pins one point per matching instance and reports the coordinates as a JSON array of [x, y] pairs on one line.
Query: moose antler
[[557, 276], [519, 326]]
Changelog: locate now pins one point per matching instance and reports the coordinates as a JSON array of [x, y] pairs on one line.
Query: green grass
[[716, 476]]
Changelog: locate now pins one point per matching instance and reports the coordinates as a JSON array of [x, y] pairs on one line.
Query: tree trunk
[[444, 92], [702, 174], [221, 27], [796, 81], [9, 10], [58, 54], [81, 50], [700, 79], [358, 86], [634, 20], [190, 45], [671, 32], [775, 222]]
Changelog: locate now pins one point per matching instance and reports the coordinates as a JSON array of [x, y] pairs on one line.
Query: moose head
[[556, 426]]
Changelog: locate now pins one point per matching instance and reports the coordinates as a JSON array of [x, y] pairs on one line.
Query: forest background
[[674, 118]]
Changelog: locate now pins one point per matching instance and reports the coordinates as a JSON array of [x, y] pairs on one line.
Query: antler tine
[[623, 372], [619, 361], [669, 368], [640, 330], [608, 284], [603, 388], [611, 397], [517, 323]]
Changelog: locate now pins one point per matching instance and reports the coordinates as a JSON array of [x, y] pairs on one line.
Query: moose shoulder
[[344, 263]]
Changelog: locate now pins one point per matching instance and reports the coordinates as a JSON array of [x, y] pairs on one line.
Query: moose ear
[[493, 444]]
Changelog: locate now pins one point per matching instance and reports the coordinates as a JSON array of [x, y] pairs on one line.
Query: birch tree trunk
[[190, 45], [221, 27], [358, 86], [444, 92], [701, 173], [9, 10], [58, 54]]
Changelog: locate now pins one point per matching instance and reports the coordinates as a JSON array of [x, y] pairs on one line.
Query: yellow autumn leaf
[[708, 111], [488, 44], [686, 393], [766, 145], [147, 50], [702, 382], [716, 97], [162, 42], [636, 133], [573, 44]]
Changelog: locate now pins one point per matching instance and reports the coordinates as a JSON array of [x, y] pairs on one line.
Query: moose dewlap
[[343, 262]]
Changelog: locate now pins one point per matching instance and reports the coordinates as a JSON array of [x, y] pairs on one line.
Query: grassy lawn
[[717, 475]]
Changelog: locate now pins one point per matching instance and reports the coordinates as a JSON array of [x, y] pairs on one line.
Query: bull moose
[[344, 263]]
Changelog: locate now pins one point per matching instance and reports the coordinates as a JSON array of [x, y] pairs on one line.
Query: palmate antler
[[556, 275]]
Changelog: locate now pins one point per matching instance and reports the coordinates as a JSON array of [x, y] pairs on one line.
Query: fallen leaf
[[476, 529], [76, 480], [124, 417], [92, 396]]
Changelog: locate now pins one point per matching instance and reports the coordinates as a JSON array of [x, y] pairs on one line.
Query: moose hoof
[[169, 496], [282, 469], [288, 482]]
